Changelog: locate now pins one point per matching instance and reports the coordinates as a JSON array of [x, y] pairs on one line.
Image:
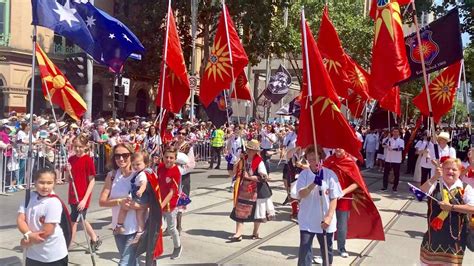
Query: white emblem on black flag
[[278, 85]]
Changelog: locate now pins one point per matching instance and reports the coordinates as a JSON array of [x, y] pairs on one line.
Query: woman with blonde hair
[[445, 240], [115, 195]]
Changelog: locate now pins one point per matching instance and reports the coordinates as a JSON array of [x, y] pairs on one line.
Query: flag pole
[[428, 97], [232, 83], [313, 128], [29, 164], [463, 69], [165, 57], [63, 148]]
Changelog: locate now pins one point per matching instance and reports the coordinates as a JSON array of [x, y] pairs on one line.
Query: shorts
[[230, 166], [75, 213], [144, 199], [62, 262], [263, 208], [380, 157]]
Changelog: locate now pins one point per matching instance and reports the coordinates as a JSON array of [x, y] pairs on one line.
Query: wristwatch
[[26, 236]]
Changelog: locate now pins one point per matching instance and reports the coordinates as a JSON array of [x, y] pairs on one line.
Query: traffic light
[[76, 68], [119, 97]]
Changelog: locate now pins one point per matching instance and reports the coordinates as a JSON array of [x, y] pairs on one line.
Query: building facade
[[16, 66]]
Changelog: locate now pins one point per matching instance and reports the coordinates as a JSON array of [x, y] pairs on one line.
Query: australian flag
[[219, 109], [278, 85], [419, 194], [100, 35], [441, 43]]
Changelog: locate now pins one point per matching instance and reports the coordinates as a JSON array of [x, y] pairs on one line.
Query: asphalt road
[[201, 177]]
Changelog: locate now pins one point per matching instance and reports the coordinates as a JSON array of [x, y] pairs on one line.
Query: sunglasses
[[124, 156], [182, 133]]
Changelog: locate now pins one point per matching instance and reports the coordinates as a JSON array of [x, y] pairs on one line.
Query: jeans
[[342, 219], [396, 174], [127, 251], [305, 254], [170, 218], [22, 171], [265, 158], [216, 152]]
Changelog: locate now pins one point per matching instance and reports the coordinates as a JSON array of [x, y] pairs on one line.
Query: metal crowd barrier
[[13, 163], [202, 151]]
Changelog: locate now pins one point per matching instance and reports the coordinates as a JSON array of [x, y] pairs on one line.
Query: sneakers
[[383, 189], [343, 253], [176, 253], [96, 244], [317, 260], [20, 187], [11, 190]]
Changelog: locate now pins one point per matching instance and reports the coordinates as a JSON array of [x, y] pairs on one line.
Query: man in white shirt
[[423, 149], [371, 144], [393, 158], [312, 219], [268, 139]]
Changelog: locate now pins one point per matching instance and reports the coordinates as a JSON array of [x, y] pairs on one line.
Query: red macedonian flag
[[218, 74], [389, 59], [60, 89], [176, 84], [334, 56], [359, 78], [332, 129], [364, 218], [356, 105], [442, 91], [242, 88]]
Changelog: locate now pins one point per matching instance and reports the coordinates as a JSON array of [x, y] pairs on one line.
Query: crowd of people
[[319, 187]]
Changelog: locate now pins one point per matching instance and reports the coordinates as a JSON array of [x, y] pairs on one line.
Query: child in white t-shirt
[[43, 237]]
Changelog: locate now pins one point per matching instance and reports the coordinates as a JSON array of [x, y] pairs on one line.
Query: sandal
[[255, 237], [235, 238]]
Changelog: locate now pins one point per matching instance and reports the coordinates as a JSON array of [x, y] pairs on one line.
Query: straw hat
[[444, 135], [253, 145], [62, 124], [74, 125]]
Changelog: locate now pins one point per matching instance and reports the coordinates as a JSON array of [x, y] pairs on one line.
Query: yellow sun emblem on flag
[[387, 13], [357, 78], [441, 89], [332, 65], [173, 77], [219, 61], [326, 102]]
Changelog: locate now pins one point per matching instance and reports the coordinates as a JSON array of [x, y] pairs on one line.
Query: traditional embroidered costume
[[445, 240]]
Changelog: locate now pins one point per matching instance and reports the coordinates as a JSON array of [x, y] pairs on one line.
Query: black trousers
[[396, 172], [216, 152], [425, 174], [265, 158]]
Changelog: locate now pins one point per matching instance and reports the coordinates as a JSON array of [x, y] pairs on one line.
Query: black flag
[[219, 109], [292, 108], [278, 85], [441, 42]]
